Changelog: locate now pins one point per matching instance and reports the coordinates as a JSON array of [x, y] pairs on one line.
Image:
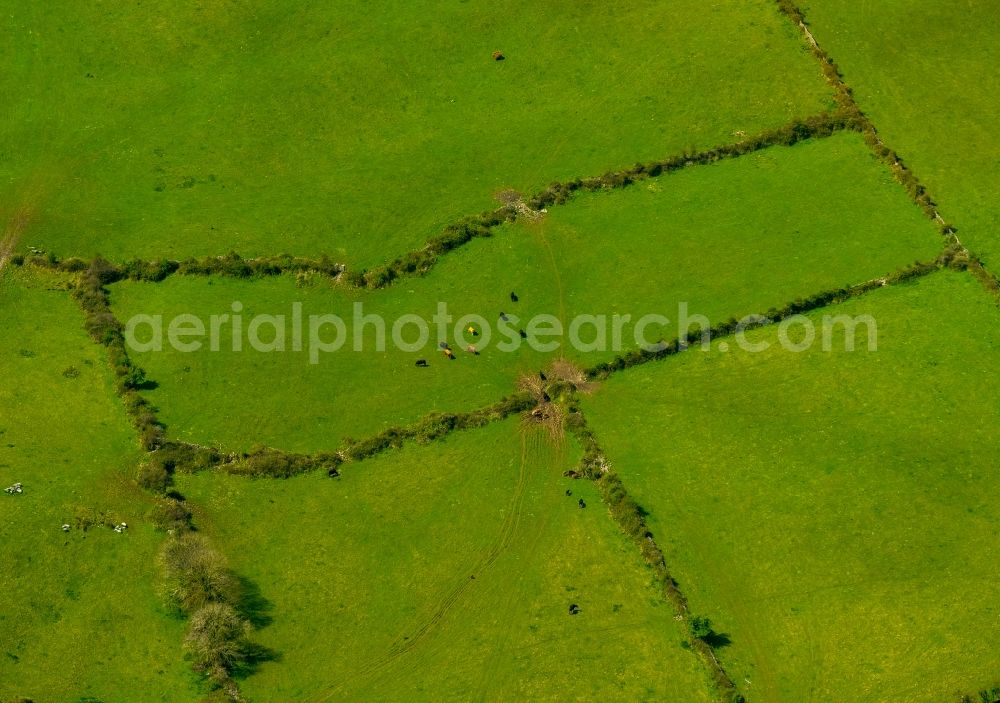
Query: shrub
[[700, 627], [170, 514], [273, 463], [154, 477], [195, 574], [218, 641]]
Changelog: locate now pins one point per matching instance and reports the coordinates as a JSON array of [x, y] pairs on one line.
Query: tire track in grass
[[407, 643], [12, 233], [489, 670]]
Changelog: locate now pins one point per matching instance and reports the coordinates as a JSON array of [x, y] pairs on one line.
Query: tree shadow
[[148, 385], [254, 655], [252, 604], [717, 640]]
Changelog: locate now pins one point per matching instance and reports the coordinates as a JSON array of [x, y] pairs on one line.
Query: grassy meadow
[[446, 572], [923, 71], [835, 514], [358, 131], [79, 616], [742, 236]]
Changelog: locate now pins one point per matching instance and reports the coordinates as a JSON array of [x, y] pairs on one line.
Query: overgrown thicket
[[632, 521], [635, 357]]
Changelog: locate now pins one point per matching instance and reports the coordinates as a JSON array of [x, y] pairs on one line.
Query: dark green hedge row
[[231, 264], [265, 462], [102, 325], [799, 306], [457, 234], [818, 126], [422, 260], [437, 425], [848, 105], [632, 521]]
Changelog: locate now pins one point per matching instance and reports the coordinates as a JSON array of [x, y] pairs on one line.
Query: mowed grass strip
[[923, 71], [79, 617], [835, 514], [448, 572], [730, 239], [360, 131]]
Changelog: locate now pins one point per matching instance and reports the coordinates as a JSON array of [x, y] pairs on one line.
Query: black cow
[[513, 297], [422, 363], [581, 503]]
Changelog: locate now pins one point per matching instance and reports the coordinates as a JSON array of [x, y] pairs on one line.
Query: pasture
[[359, 131], [743, 236], [79, 615], [447, 571], [835, 513]]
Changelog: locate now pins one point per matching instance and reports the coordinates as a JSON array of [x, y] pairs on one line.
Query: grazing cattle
[[333, 473], [503, 316], [449, 353], [569, 492], [542, 376], [472, 349], [513, 297], [524, 335], [422, 362], [545, 397], [443, 345], [472, 330], [581, 503], [574, 609], [498, 56]]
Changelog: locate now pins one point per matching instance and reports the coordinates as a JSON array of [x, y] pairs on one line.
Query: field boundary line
[[664, 349], [420, 261], [844, 96], [631, 520]]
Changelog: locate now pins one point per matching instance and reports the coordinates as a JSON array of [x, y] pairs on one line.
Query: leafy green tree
[[700, 626]]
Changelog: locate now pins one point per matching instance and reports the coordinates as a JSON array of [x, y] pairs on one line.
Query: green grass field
[[446, 572], [78, 612], [919, 69], [358, 131], [834, 513], [742, 236]]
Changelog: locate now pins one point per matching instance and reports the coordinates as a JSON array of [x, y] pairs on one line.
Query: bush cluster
[[198, 583]]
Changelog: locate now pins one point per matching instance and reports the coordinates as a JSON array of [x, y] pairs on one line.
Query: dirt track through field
[[12, 233], [416, 635]]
